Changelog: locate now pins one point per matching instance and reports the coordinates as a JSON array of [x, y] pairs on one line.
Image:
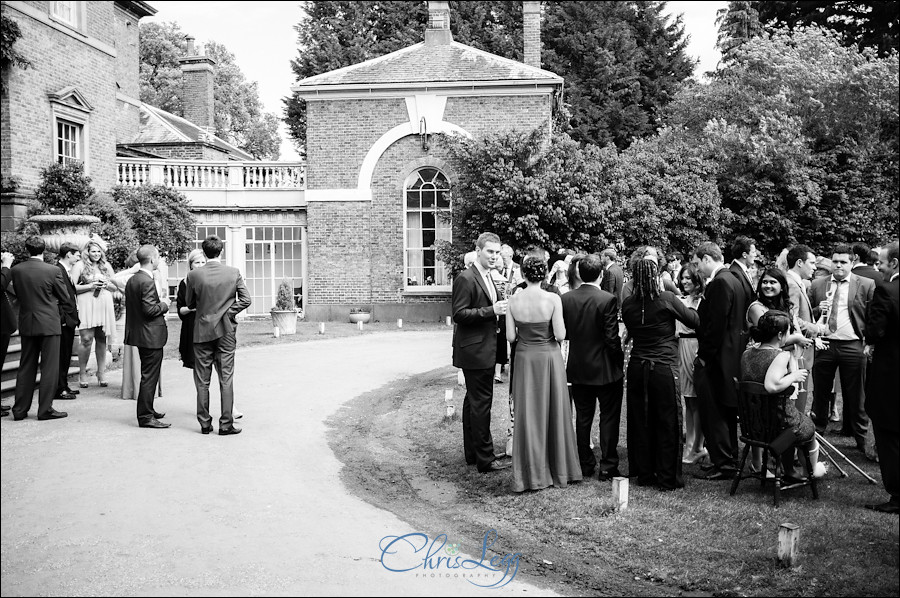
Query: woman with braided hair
[[653, 396]]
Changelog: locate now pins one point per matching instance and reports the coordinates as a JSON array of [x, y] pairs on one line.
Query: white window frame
[[63, 127], [422, 287], [70, 13], [64, 113]]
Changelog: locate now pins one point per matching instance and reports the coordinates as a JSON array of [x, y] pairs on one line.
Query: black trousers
[[654, 425], [66, 339], [718, 421], [586, 397], [476, 417], [35, 348], [846, 357], [151, 364], [218, 353], [888, 444]]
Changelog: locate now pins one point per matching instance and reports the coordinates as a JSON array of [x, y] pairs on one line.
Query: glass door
[[273, 254]]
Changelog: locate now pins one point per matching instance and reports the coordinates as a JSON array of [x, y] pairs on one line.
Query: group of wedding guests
[[83, 294], [693, 328]]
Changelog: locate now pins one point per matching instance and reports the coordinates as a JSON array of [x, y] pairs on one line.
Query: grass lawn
[[407, 457]]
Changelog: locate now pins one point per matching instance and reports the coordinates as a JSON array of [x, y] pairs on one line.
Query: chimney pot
[[190, 46], [438, 30]]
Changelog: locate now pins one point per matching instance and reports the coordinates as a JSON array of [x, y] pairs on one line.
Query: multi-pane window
[[66, 11], [273, 254], [68, 142], [427, 221]]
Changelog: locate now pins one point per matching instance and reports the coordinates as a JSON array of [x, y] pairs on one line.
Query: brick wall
[[184, 151], [197, 97], [356, 248], [59, 60], [127, 54]]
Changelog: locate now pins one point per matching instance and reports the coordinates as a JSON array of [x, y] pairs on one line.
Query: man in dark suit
[[475, 307], [882, 390], [219, 294], [40, 289], [744, 254], [613, 278], [145, 328], [69, 255], [595, 366], [842, 301], [8, 317], [721, 338], [864, 259]]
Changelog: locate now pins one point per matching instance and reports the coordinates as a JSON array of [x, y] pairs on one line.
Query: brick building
[[78, 97], [376, 191]]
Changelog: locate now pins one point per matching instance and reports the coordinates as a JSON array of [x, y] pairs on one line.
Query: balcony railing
[[204, 174]]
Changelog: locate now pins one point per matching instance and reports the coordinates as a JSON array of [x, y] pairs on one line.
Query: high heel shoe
[[101, 382], [82, 383]]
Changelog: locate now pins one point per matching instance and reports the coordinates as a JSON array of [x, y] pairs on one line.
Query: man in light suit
[[613, 277], [595, 366], [842, 301], [476, 305], [801, 263], [40, 289], [882, 390], [722, 339], [219, 294], [145, 328]]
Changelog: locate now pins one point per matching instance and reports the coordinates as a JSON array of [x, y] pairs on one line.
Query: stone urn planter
[[360, 315], [56, 229], [284, 314]]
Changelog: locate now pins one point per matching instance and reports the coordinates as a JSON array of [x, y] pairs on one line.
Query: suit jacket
[[475, 338], [801, 308], [867, 271], [748, 289], [613, 281], [592, 328], [40, 289], [68, 310], [219, 294], [8, 318], [858, 298], [883, 332], [722, 334], [145, 314]]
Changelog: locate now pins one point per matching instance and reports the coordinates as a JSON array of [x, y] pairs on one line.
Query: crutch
[[833, 462], [852, 464]]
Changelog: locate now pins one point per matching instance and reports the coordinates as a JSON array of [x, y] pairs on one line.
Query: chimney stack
[[531, 17], [438, 31], [197, 79]]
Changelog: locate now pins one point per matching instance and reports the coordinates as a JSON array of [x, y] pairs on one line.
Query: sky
[[261, 35]]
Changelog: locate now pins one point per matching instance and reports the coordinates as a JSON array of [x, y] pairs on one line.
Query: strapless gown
[[544, 449]]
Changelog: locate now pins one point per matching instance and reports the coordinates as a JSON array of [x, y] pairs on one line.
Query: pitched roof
[[431, 63], [159, 126]]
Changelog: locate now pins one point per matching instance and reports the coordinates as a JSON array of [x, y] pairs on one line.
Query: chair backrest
[[761, 413]]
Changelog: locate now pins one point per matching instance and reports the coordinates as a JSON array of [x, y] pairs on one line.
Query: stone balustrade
[[206, 174]]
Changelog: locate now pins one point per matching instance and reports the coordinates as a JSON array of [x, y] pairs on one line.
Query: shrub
[[161, 217], [284, 301], [63, 187]]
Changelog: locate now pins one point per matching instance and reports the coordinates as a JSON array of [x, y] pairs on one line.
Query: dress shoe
[[789, 481], [885, 507], [607, 476], [499, 456], [715, 475], [494, 466], [158, 415], [64, 396], [72, 392], [153, 423], [52, 414], [5, 409], [229, 431], [205, 430]]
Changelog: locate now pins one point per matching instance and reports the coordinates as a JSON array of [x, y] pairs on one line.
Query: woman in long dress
[[92, 277], [691, 284], [544, 452]]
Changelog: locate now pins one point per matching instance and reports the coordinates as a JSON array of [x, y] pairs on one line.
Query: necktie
[[832, 315], [489, 282]]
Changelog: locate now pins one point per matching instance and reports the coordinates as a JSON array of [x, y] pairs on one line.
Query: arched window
[[427, 220]]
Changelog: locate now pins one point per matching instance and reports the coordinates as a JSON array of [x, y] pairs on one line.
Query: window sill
[[426, 292]]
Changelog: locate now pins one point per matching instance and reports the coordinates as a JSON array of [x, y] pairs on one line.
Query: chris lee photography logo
[[419, 555]]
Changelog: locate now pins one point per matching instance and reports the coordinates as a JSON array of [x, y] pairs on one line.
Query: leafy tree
[[63, 187], [161, 217], [737, 23], [9, 56], [805, 133], [873, 24], [622, 61], [239, 117]]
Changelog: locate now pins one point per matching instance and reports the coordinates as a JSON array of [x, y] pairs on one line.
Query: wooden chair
[[762, 426]]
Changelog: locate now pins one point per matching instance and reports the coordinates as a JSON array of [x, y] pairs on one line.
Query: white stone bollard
[[399, 322], [620, 493], [321, 327], [460, 378], [449, 321], [788, 541], [359, 325], [448, 396], [277, 332], [450, 410]]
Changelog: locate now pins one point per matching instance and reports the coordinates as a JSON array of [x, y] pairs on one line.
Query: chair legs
[[740, 471], [810, 471], [779, 472]]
